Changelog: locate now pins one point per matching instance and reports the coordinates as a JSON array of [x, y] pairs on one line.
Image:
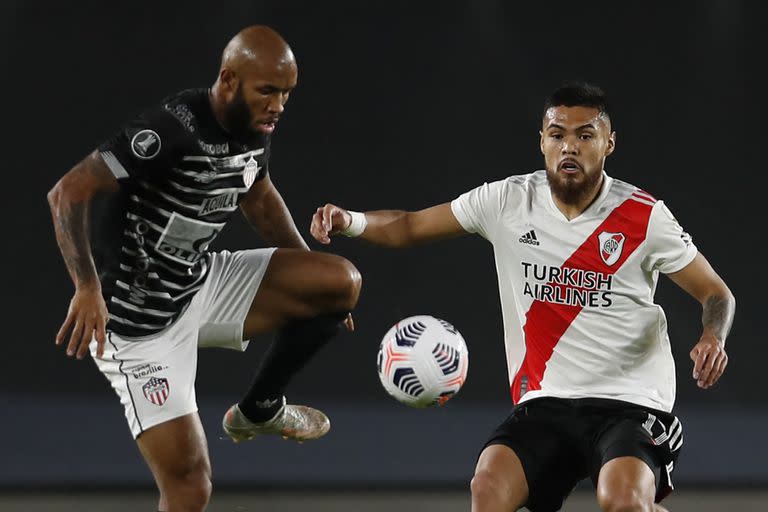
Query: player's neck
[[573, 210]]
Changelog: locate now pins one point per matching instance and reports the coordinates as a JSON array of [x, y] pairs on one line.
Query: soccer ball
[[422, 361]]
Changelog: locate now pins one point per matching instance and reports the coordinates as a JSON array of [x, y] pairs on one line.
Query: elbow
[[724, 294], [54, 196], [69, 190], [396, 241], [730, 297], [404, 242]]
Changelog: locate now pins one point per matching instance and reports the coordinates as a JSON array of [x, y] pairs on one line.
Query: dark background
[[400, 104]]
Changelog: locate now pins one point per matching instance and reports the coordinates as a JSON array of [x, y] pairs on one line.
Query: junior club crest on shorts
[[611, 245], [156, 390]]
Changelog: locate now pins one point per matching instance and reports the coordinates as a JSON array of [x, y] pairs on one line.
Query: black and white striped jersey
[[182, 176]]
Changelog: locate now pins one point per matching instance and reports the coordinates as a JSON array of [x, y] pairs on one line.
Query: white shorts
[[154, 376]]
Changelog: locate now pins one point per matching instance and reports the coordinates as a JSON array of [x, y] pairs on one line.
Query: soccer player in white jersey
[[154, 293], [591, 374]]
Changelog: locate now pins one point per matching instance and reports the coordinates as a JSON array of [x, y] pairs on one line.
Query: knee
[[624, 500], [190, 489], [486, 485], [347, 284], [200, 490]]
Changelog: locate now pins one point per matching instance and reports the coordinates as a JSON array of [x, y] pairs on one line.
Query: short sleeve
[[479, 210], [149, 144], [670, 248]]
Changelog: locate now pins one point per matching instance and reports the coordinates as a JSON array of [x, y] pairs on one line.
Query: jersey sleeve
[[670, 247], [479, 210], [149, 144]]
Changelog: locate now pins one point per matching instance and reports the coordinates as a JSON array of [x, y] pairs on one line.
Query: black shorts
[[563, 441]]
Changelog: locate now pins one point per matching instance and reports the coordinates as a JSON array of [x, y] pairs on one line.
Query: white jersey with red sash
[[577, 296]]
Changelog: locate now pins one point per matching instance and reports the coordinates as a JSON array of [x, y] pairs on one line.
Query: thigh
[[550, 456], [301, 284], [176, 449], [651, 437]]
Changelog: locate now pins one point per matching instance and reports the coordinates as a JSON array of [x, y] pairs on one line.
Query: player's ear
[[229, 80], [541, 141], [611, 144]]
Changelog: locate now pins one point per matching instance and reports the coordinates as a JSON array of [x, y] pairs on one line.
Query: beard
[[569, 190], [237, 118]]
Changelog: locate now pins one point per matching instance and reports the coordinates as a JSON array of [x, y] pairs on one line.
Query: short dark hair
[[578, 94]]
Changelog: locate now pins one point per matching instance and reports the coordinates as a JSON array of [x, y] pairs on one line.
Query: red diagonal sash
[[546, 322]]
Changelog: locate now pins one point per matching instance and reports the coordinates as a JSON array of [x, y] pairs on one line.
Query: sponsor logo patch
[[218, 203], [146, 370], [185, 240], [214, 149], [146, 144]]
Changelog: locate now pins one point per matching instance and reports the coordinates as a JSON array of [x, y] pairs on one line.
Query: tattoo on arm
[[718, 315], [70, 202], [73, 236]]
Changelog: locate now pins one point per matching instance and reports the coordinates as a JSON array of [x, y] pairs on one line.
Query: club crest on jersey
[[611, 245], [156, 390], [146, 144], [250, 172]]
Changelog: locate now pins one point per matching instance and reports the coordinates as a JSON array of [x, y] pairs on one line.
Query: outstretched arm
[[70, 201], [390, 228], [700, 280], [266, 211]]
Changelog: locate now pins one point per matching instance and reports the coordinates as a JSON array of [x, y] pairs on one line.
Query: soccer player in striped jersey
[[152, 292], [578, 254]]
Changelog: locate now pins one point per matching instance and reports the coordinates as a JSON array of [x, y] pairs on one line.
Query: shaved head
[[256, 46], [257, 74]]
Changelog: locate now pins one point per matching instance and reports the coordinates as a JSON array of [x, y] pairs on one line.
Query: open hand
[[709, 360], [87, 317]]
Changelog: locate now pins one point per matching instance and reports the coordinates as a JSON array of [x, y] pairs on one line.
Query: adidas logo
[[529, 238]]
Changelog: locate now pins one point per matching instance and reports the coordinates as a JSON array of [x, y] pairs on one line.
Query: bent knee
[[347, 282], [624, 500], [486, 484]]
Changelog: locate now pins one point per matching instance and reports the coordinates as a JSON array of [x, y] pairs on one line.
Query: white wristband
[[357, 225]]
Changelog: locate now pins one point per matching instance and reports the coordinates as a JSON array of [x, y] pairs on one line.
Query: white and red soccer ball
[[422, 361]]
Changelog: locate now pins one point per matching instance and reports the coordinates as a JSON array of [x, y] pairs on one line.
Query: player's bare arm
[[70, 201], [267, 212], [390, 228], [700, 280]]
